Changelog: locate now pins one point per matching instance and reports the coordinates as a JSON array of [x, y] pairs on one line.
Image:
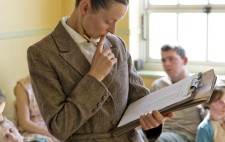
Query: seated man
[[182, 127]]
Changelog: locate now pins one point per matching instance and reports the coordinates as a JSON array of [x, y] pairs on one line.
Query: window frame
[[192, 66]]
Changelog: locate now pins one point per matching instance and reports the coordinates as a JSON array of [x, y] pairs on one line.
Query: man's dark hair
[[97, 4], [180, 50]]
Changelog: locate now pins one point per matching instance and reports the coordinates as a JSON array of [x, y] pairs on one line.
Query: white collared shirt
[[87, 48]]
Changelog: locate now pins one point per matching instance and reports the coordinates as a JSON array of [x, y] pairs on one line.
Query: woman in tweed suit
[[83, 88]]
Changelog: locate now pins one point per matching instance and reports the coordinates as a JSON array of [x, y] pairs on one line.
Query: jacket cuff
[[153, 134]]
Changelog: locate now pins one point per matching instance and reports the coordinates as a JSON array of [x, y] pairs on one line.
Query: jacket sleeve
[[137, 90], [153, 134]]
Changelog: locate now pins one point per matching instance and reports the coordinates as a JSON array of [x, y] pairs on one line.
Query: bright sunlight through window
[[196, 25]]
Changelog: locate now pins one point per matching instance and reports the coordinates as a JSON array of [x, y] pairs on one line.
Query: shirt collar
[[75, 35]]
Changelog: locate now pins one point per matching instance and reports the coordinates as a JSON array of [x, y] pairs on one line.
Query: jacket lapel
[[72, 54], [69, 50]]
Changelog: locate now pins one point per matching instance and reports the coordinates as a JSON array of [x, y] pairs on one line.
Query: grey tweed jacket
[[74, 105]]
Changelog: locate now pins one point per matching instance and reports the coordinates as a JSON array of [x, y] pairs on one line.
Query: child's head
[[217, 101], [2, 105], [9, 133]]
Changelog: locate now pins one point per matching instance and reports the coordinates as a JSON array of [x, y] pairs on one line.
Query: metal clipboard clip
[[196, 83]]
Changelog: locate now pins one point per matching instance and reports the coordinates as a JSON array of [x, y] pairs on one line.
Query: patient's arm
[[22, 105]]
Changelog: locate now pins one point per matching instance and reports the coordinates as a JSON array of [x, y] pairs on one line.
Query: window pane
[[193, 2], [163, 30], [163, 2], [217, 1], [192, 35], [216, 37]]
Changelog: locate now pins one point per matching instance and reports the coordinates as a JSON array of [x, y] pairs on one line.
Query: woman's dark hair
[[97, 4]]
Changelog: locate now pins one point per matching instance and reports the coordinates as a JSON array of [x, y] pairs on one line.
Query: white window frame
[[156, 65]]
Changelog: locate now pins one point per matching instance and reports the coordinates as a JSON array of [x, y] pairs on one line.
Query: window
[[196, 25]]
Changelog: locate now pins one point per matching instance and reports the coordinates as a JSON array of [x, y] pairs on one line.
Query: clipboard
[[198, 90]]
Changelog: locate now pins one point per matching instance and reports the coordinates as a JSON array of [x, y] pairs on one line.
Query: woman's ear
[[84, 5]]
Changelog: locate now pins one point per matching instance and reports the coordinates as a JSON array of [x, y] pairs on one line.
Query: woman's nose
[[112, 28]]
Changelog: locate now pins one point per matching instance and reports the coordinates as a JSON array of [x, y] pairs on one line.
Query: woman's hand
[[102, 61], [154, 119]]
